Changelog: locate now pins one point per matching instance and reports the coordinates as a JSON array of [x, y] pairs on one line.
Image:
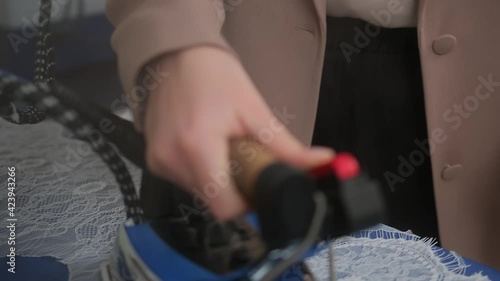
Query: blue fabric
[[36, 269], [474, 267], [165, 262]]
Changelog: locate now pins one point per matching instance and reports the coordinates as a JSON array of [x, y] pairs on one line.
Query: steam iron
[[293, 211]]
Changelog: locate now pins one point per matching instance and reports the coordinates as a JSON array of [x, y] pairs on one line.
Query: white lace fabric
[[68, 204], [69, 207], [384, 253]]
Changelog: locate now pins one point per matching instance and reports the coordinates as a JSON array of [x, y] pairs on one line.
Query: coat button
[[444, 44], [451, 172]]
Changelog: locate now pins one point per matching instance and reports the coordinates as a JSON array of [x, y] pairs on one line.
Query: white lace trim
[[68, 204], [384, 253]]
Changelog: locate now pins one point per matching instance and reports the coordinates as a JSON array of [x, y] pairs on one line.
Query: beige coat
[[281, 43]]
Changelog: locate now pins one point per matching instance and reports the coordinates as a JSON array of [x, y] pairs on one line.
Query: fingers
[[214, 177], [276, 138], [196, 157], [198, 160], [200, 165], [165, 160]]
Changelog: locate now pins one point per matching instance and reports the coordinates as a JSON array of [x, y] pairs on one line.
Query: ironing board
[[69, 209]]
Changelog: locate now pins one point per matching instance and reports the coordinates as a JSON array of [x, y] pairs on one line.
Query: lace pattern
[[384, 253], [68, 204]]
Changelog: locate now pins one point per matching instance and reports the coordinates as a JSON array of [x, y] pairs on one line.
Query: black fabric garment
[[372, 104]]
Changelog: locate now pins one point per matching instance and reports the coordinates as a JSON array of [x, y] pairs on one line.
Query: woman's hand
[[206, 101]]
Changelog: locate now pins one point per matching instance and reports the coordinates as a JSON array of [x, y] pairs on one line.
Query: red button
[[345, 166]]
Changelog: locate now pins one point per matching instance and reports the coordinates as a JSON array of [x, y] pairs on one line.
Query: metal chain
[[44, 60]]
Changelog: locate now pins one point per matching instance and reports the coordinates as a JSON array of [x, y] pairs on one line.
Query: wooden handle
[[250, 159]]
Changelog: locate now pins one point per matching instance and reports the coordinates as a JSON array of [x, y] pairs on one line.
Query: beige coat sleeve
[[147, 29]]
